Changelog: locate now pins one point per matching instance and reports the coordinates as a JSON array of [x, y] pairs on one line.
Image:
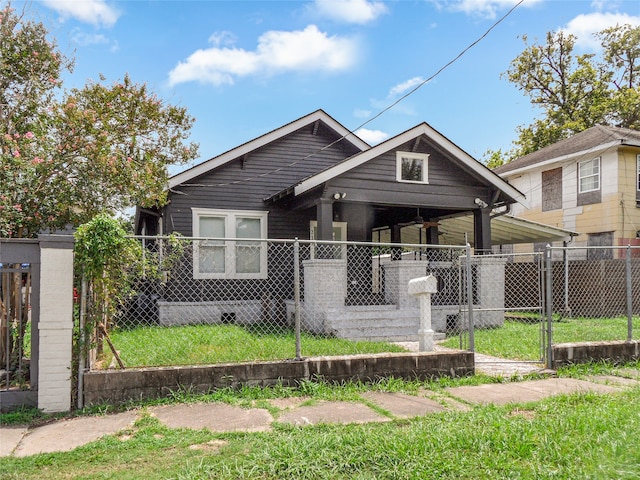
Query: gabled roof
[[245, 148], [592, 141], [422, 129]]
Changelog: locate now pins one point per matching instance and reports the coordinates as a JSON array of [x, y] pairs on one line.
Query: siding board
[[266, 171]]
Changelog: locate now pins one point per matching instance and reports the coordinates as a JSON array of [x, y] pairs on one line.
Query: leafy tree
[[576, 92], [69, 155], [622, 51]]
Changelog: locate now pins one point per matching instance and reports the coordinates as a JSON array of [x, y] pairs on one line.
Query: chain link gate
[[502, 298]]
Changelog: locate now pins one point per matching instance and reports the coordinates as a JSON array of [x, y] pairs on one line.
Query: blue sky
[[243, 68]]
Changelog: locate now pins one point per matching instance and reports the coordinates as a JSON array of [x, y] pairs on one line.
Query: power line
[[383, 111]]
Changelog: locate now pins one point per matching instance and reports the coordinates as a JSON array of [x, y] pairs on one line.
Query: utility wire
[[380, 113]]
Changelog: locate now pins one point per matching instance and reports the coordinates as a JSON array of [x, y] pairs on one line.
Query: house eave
[[244, 149], [597, 150], [422, 129]]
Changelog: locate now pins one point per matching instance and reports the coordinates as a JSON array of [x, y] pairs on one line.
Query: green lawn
[[568, 437], [520, 340], [207, 344]]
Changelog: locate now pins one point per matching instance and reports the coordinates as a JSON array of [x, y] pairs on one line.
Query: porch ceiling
[[505, 230]]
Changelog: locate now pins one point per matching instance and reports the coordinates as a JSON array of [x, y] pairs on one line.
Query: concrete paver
[[331, 412], [523, 392], [66, 435], [497, 394], [559, 386], [217, 417], [10, 438], [614, 380], [403, 406]]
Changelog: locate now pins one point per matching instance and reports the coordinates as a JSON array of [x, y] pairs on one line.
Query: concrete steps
[[376, 323]]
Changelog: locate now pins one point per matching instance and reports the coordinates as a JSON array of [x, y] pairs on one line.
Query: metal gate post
[[472, 345], [549, 305], [296, 294], [629, 296]]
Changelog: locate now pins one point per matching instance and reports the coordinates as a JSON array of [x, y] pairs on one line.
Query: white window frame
[[231, 244], [638, 173], [342, 226], [423, 157], [582, 177]]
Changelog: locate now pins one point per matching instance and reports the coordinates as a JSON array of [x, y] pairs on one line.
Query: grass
[[520, 340], [574, 436], [207, 344]]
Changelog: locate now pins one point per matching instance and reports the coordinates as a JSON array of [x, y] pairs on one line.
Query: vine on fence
[[106, 260], [113, 266]]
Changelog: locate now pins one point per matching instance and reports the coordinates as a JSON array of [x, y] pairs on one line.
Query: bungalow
[[314, 179]]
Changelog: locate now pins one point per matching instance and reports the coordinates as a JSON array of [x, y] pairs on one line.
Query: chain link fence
[[596, 294], [505, 314], [204, 300]]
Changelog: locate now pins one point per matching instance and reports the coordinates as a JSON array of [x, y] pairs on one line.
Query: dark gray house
[[315, 170], [313, 179]]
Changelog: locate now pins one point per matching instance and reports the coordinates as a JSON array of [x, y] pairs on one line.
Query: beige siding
[[616, 212]]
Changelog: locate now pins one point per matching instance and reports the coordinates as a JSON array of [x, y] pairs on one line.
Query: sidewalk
[[65, 435]]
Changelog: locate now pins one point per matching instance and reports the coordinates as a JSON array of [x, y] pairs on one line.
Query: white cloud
[[95, 12], [222, 38], [361, 113], [277, 51], [350, 11], [602, 5], [482, 8], [585, 25], [372, 137], [402, 88], [84, 39]]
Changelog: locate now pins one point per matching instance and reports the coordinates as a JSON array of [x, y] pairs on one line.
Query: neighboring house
[[588, 183], [314, 179]]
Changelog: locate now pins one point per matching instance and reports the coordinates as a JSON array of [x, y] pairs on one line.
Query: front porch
[[352, 290]]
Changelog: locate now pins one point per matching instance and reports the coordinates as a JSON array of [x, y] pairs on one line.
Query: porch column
[[482, 230], [324, 213], [396, 253], [432, 235]]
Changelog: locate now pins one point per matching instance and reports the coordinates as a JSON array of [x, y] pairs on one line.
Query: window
[[638, 173], [230, 250], [589, 175], [412, 167], [552, 189]]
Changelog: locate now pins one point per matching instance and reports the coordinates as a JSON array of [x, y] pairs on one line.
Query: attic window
[[412, 167]]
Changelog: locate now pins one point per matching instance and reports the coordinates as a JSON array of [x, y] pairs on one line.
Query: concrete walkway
[[65, 435]]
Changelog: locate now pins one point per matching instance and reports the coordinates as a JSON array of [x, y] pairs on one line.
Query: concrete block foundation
[[120, 386]]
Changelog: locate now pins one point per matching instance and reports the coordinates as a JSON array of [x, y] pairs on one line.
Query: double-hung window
[[589, 175], [228, 244], [412, 167]]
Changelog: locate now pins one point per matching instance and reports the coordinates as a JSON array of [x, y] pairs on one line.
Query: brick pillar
[[55, 326], [396, 278]]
